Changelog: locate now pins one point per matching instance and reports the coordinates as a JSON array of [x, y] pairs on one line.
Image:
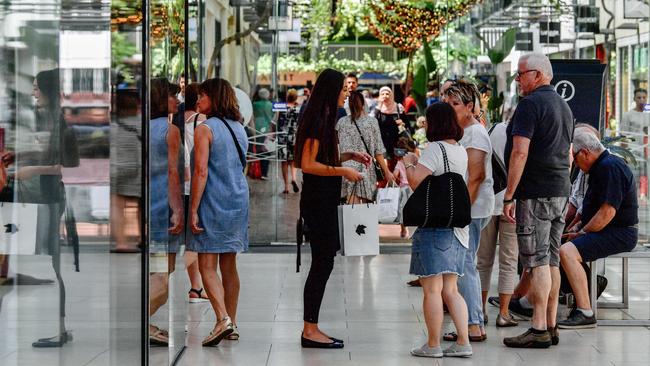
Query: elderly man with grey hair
[[537, 158], [608, 223]]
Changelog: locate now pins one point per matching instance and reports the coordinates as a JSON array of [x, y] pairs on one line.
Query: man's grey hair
[[538, 61], [584, 140]]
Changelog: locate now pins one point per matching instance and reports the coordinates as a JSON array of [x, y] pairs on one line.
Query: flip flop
[[452, 337], [199, 292]]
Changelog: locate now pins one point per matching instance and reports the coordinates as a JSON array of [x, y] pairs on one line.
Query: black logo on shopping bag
[[361, 229], [11, 228]]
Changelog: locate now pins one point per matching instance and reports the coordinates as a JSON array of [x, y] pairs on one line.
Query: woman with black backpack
[[438, 253]]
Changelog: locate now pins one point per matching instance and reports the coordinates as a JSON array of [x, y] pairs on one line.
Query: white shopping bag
[[18, 230], [404, 194], [359, 229], [389, 207]]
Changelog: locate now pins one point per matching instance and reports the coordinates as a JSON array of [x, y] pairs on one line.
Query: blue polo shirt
[[546, 119], [611, 181]]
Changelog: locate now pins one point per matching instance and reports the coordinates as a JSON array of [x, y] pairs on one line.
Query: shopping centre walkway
[[366, 303]]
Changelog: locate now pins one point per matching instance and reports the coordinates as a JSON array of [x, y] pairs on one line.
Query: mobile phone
[[399, 152]]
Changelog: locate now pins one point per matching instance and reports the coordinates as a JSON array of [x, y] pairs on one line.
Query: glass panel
[[126, 179], [56, 128], [167, 292]]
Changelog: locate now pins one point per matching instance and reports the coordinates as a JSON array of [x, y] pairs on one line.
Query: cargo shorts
[[540, 223]]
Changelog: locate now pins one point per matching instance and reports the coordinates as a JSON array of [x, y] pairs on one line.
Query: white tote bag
[[388, 200], [18, 230], [359, 229]]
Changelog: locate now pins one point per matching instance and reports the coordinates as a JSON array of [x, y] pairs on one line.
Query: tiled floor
[[366, 303]]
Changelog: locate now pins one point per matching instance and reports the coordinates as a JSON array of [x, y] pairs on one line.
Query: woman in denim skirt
[[438, 254]]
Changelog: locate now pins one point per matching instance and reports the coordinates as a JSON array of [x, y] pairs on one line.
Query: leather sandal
[[214, 338], [158, 337]]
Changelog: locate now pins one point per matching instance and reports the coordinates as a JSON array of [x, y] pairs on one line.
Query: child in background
[[403, 147], [420, 135]]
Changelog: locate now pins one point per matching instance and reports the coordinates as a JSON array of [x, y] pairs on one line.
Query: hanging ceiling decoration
[[404, 25]]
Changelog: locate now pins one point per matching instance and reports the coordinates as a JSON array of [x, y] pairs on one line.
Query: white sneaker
[[426, 351], [457, 350]]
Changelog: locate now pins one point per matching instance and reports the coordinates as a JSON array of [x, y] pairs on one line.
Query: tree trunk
[[236, 37]]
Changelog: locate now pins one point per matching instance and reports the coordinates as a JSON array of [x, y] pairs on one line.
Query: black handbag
[[499, 172], [439, 201], [378, 171]]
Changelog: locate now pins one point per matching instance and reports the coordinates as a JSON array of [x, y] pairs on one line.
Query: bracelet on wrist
[[409, 166], [506, 202]]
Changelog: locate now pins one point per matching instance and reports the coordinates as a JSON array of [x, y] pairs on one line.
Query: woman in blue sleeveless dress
[[219, 201], [166, 203]]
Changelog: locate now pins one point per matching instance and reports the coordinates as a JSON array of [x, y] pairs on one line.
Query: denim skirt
[[436, 251]]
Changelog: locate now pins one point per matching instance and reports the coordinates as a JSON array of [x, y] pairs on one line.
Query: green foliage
[[350, 19], [122, 49], [429, 62], [503, 46], [297, 63]]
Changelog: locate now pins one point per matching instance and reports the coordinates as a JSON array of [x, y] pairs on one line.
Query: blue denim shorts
[[436, 251]]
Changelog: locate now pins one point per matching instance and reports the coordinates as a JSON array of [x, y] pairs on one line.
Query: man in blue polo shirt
[[537, 157], [608, 224]]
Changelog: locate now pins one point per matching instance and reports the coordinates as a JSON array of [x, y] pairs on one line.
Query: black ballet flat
[[336, 340], [53, 342], [308, 343]]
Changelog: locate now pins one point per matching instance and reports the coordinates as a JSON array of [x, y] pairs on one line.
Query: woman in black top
[[318, 156], [389, 115]]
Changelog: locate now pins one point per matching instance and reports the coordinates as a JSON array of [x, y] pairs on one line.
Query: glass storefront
[[66, 98], [93, 163]]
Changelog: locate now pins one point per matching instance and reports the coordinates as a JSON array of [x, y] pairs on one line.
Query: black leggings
[[323, 252]]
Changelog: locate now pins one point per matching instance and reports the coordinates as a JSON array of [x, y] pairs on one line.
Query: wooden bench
[[638, 252]]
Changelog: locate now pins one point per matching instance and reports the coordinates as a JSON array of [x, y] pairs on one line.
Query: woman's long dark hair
[[50, 116], [357, 103], [319, 119]]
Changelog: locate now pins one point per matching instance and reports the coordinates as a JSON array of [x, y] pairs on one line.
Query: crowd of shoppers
[[346, 147]]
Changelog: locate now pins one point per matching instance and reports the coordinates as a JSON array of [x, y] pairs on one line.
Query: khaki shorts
[[540, 222]]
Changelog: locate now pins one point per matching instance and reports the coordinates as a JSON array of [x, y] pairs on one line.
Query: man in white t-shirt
[[636, 121]]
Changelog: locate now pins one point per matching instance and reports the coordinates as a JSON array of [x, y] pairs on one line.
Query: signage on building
[[279, 107], [524, 41], [549, 32], [587, 19], [581, 83], [289, 78]]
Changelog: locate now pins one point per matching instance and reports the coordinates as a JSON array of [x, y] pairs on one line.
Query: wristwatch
[[582, 232]]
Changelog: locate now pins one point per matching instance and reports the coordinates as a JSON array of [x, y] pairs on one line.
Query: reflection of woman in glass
[[165, 194], [287, 128], [37, 180], [219, 202]]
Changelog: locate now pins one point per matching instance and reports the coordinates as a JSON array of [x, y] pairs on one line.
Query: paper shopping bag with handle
[[18, 222], [358, 228]]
